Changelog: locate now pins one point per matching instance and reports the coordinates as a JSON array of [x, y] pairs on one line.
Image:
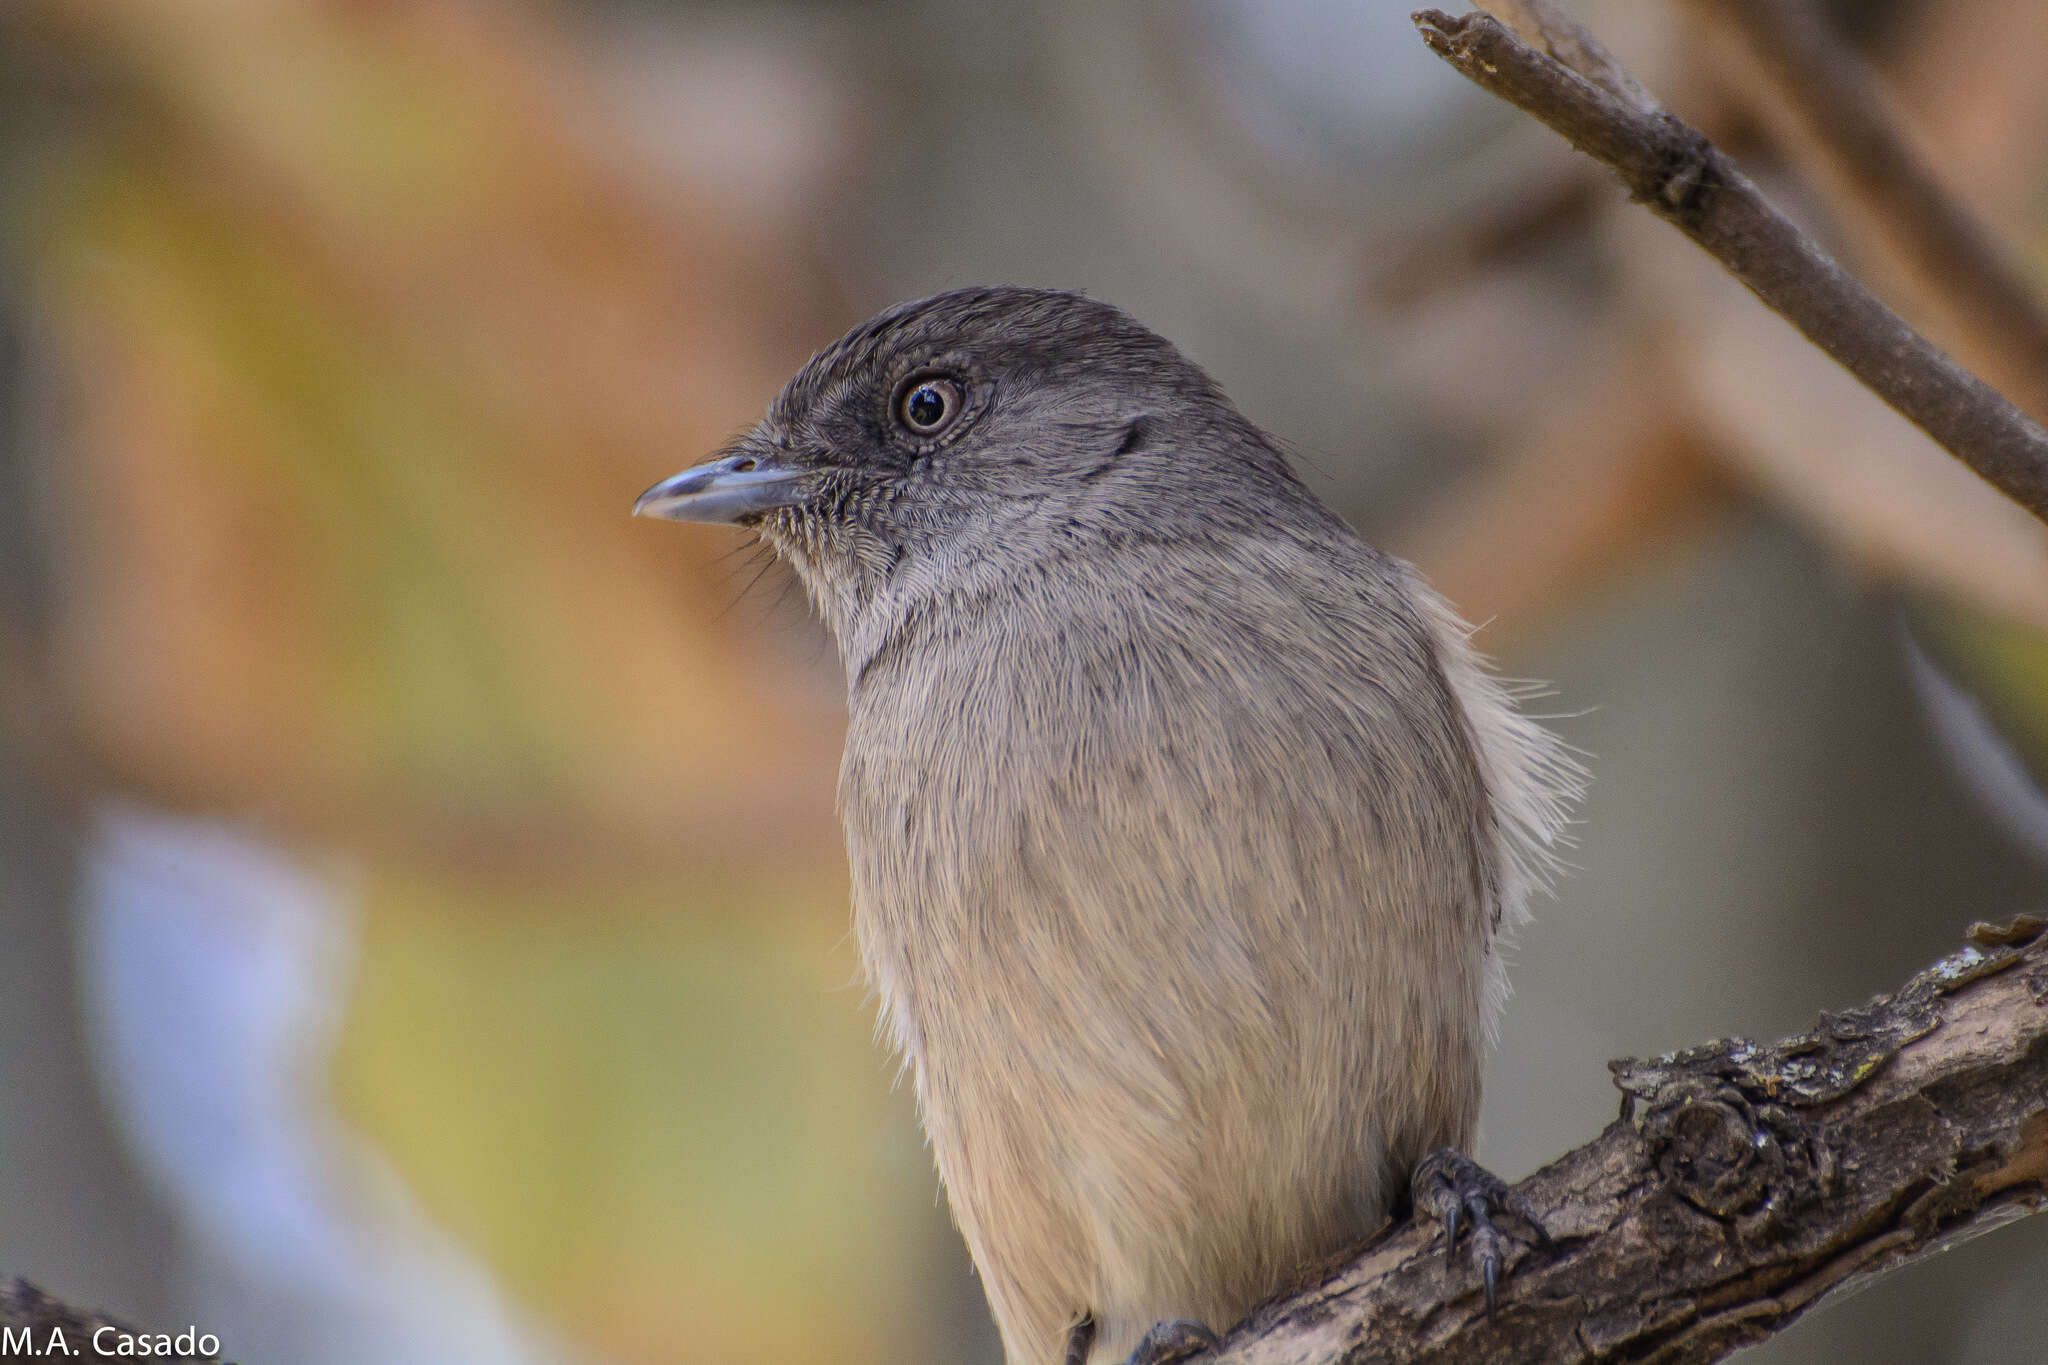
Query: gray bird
[[1185, 827]]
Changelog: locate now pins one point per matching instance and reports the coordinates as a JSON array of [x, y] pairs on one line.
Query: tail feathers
[[1533, 778]]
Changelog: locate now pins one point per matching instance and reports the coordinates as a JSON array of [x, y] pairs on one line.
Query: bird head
[[972, 430]]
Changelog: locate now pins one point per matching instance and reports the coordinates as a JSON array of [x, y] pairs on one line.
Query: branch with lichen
[[1742, 1186]]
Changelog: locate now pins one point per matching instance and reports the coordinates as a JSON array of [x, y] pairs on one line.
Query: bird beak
[[724, 490]]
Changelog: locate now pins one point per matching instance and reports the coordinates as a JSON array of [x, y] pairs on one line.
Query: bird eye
[[929, 406]]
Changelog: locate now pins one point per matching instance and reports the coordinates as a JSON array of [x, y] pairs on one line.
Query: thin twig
[[1828, 106], [1680, 176], [1549, 26]]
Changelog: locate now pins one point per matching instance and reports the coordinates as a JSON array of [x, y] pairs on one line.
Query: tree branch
[[1826, 104], [1741, 1186], [1684, 179]]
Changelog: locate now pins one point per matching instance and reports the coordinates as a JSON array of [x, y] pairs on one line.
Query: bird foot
[[1080, 1342], [1173, 1341], [1168, 1342], [1459, 1193]]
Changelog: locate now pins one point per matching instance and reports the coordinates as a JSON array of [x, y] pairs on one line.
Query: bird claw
[[1167, 1343], [1173, 1341], [1458, 1192], [1080, 1341]]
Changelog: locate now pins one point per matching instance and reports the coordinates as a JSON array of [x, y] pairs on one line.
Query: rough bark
[[1742, 1185]]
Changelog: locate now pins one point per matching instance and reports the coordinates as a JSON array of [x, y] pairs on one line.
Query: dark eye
[[929, 406]]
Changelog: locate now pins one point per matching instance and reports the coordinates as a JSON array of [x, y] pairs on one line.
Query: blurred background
[[424, 921]]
